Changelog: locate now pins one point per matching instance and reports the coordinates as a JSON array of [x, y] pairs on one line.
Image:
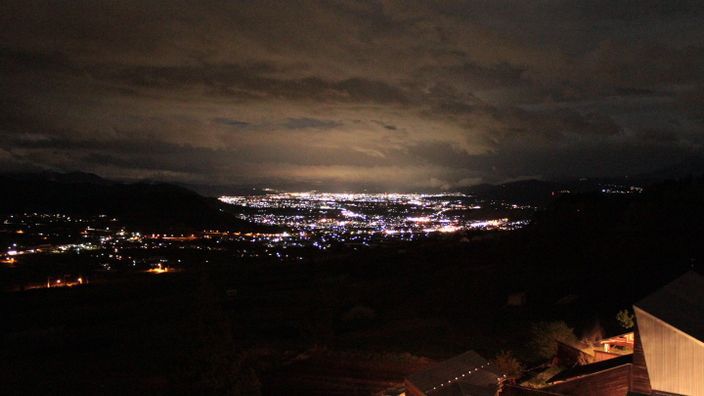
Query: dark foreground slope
[[140, 336], [157, 207]]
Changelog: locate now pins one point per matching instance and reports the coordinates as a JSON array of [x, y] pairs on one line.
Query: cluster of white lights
[[400, 215]]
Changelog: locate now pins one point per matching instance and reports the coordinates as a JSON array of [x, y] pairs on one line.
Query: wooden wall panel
[[640, 382], [674, 359]]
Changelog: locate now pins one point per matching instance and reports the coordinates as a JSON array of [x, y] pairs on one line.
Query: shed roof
[[680, 303], [465, 374]]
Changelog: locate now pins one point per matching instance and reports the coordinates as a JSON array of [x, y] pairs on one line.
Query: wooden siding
[[611, 382], [675, 360], [640, 383], [600, 356]]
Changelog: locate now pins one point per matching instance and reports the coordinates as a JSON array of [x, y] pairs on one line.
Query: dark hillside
[[143, 206], [614, 247]]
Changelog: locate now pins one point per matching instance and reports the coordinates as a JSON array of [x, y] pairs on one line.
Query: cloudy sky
[[350, 94]]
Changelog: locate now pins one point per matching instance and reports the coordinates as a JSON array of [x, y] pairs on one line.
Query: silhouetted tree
[[545, 335], [625, 319], [507, 364]]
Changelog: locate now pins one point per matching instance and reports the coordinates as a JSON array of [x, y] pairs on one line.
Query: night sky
[[350, 95]]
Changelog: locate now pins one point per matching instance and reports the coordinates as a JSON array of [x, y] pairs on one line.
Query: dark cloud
[[387, 126], [312, 123], [232, 122], [403, 95], [658, 136]]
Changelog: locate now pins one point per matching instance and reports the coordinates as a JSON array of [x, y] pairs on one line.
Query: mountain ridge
[[144, 205]]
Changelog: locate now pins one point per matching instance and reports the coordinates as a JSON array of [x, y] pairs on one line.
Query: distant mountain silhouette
[[147, 206], [539, 192], [688, 167], [535, 192], [543, 192]]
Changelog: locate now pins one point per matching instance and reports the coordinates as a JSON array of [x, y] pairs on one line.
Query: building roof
[[579, 371], [464, 389], [680, 304], [465, 374]]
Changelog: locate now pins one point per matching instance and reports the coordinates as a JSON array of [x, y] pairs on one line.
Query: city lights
[[300, 225], [340, 215]]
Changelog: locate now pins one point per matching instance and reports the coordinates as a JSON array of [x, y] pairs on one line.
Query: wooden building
[[668, 351], [671, 328]]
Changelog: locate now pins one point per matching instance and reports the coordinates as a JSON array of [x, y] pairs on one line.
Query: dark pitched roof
[[592, 368], [462, 388], [465, 374], [680, 303]]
